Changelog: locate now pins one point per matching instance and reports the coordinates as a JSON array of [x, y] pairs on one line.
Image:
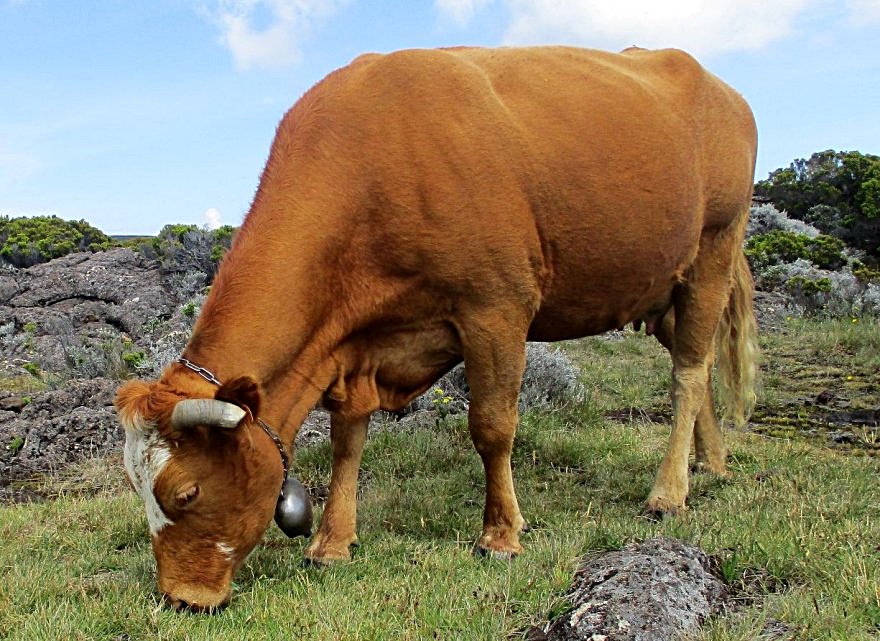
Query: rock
[[13, 403], [773, 308], [776, 630], [843, 438], [650, 591], [119, 288], [51, 312], [56, 428], [550, 379]]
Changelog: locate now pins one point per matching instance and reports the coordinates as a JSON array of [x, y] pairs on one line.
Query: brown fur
[[426, 207]]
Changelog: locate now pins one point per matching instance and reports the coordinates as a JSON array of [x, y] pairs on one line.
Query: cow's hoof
[[658, 508], [499, 544], [707, 467], [324, 554]]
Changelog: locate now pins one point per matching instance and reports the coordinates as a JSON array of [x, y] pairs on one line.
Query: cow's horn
[[206, 411]]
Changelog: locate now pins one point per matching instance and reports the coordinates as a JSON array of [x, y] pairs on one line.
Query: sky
[[133, 115]]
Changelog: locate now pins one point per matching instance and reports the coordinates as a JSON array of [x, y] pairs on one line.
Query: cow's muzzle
[[193, 599]]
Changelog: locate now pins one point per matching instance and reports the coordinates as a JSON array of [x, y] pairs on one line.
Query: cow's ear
[[242, 391], [133, 405]]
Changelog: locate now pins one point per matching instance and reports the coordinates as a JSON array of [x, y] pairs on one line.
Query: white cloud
[[864, 12], [703, 27], [461, 10], [266, 33], [213, 220]]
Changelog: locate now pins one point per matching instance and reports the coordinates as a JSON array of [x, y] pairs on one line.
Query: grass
[[796, 529]]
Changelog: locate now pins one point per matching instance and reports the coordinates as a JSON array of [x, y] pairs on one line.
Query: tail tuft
[[737, 343]]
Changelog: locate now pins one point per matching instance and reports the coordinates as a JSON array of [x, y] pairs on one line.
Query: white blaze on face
[[146, 454]]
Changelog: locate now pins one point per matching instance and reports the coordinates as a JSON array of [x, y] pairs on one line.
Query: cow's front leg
[[502, 521], [494, 364], [338, 523]]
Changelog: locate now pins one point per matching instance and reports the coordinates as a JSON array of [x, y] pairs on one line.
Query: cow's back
[[578, 181]]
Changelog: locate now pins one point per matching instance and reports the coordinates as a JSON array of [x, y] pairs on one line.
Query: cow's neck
[[268, 320]]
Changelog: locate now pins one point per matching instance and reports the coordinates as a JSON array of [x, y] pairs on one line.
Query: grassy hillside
[[796, 529]]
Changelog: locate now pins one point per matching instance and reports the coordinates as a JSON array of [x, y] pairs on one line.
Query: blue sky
[[132, 115]]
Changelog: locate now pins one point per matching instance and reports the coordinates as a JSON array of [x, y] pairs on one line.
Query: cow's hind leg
[[494, 356], [339, 520], [699, 302], [710, 453]]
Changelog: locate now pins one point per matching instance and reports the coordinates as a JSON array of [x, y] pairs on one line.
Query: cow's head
[[209, 479]]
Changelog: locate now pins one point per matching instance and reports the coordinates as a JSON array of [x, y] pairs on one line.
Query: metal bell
[[293, 512]]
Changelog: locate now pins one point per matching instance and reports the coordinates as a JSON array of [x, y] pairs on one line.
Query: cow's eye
[[185, 497]]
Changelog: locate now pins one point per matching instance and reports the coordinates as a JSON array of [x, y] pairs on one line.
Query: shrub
[[134, 359], [766, 218], [28, 241], [775, 247], [15, 444], [100, 355], [864, 273], [550, 379], [809, 286], [32, 368], [164, 338], [818, 291], [189, 249], [837, 191], [871, 300], [812, 270]]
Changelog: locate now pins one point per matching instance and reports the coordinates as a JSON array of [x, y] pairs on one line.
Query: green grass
[[796, 530]]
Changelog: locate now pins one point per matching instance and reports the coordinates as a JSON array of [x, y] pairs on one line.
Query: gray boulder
[[51, 312], [657, 590], [550, 379], [48, 430]]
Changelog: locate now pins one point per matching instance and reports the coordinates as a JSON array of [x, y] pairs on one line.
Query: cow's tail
[[737, 343]]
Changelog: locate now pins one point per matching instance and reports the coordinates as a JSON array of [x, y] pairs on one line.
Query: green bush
[[836, 191], [865, 274], [28, 241], [15, 444], [809, 286], [187, 249], [32, 368], [189, 310], [134, 359], [777, 246]]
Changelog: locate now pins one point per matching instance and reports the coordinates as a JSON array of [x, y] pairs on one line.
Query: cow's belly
[[591, 294], [562, 321]]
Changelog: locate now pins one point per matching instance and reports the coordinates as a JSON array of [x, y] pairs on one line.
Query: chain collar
[[201, 371], [209, 376]]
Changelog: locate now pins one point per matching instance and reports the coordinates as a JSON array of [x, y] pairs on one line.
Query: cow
[[427, 207]]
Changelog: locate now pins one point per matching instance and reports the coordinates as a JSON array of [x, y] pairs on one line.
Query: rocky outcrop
[[657, 590], [66, 327], [48, 431], [49, 311]]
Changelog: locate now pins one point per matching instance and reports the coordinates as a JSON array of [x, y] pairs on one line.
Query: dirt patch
[[824, 395]]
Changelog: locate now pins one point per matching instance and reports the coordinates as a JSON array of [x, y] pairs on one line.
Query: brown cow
[[426, 207]]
